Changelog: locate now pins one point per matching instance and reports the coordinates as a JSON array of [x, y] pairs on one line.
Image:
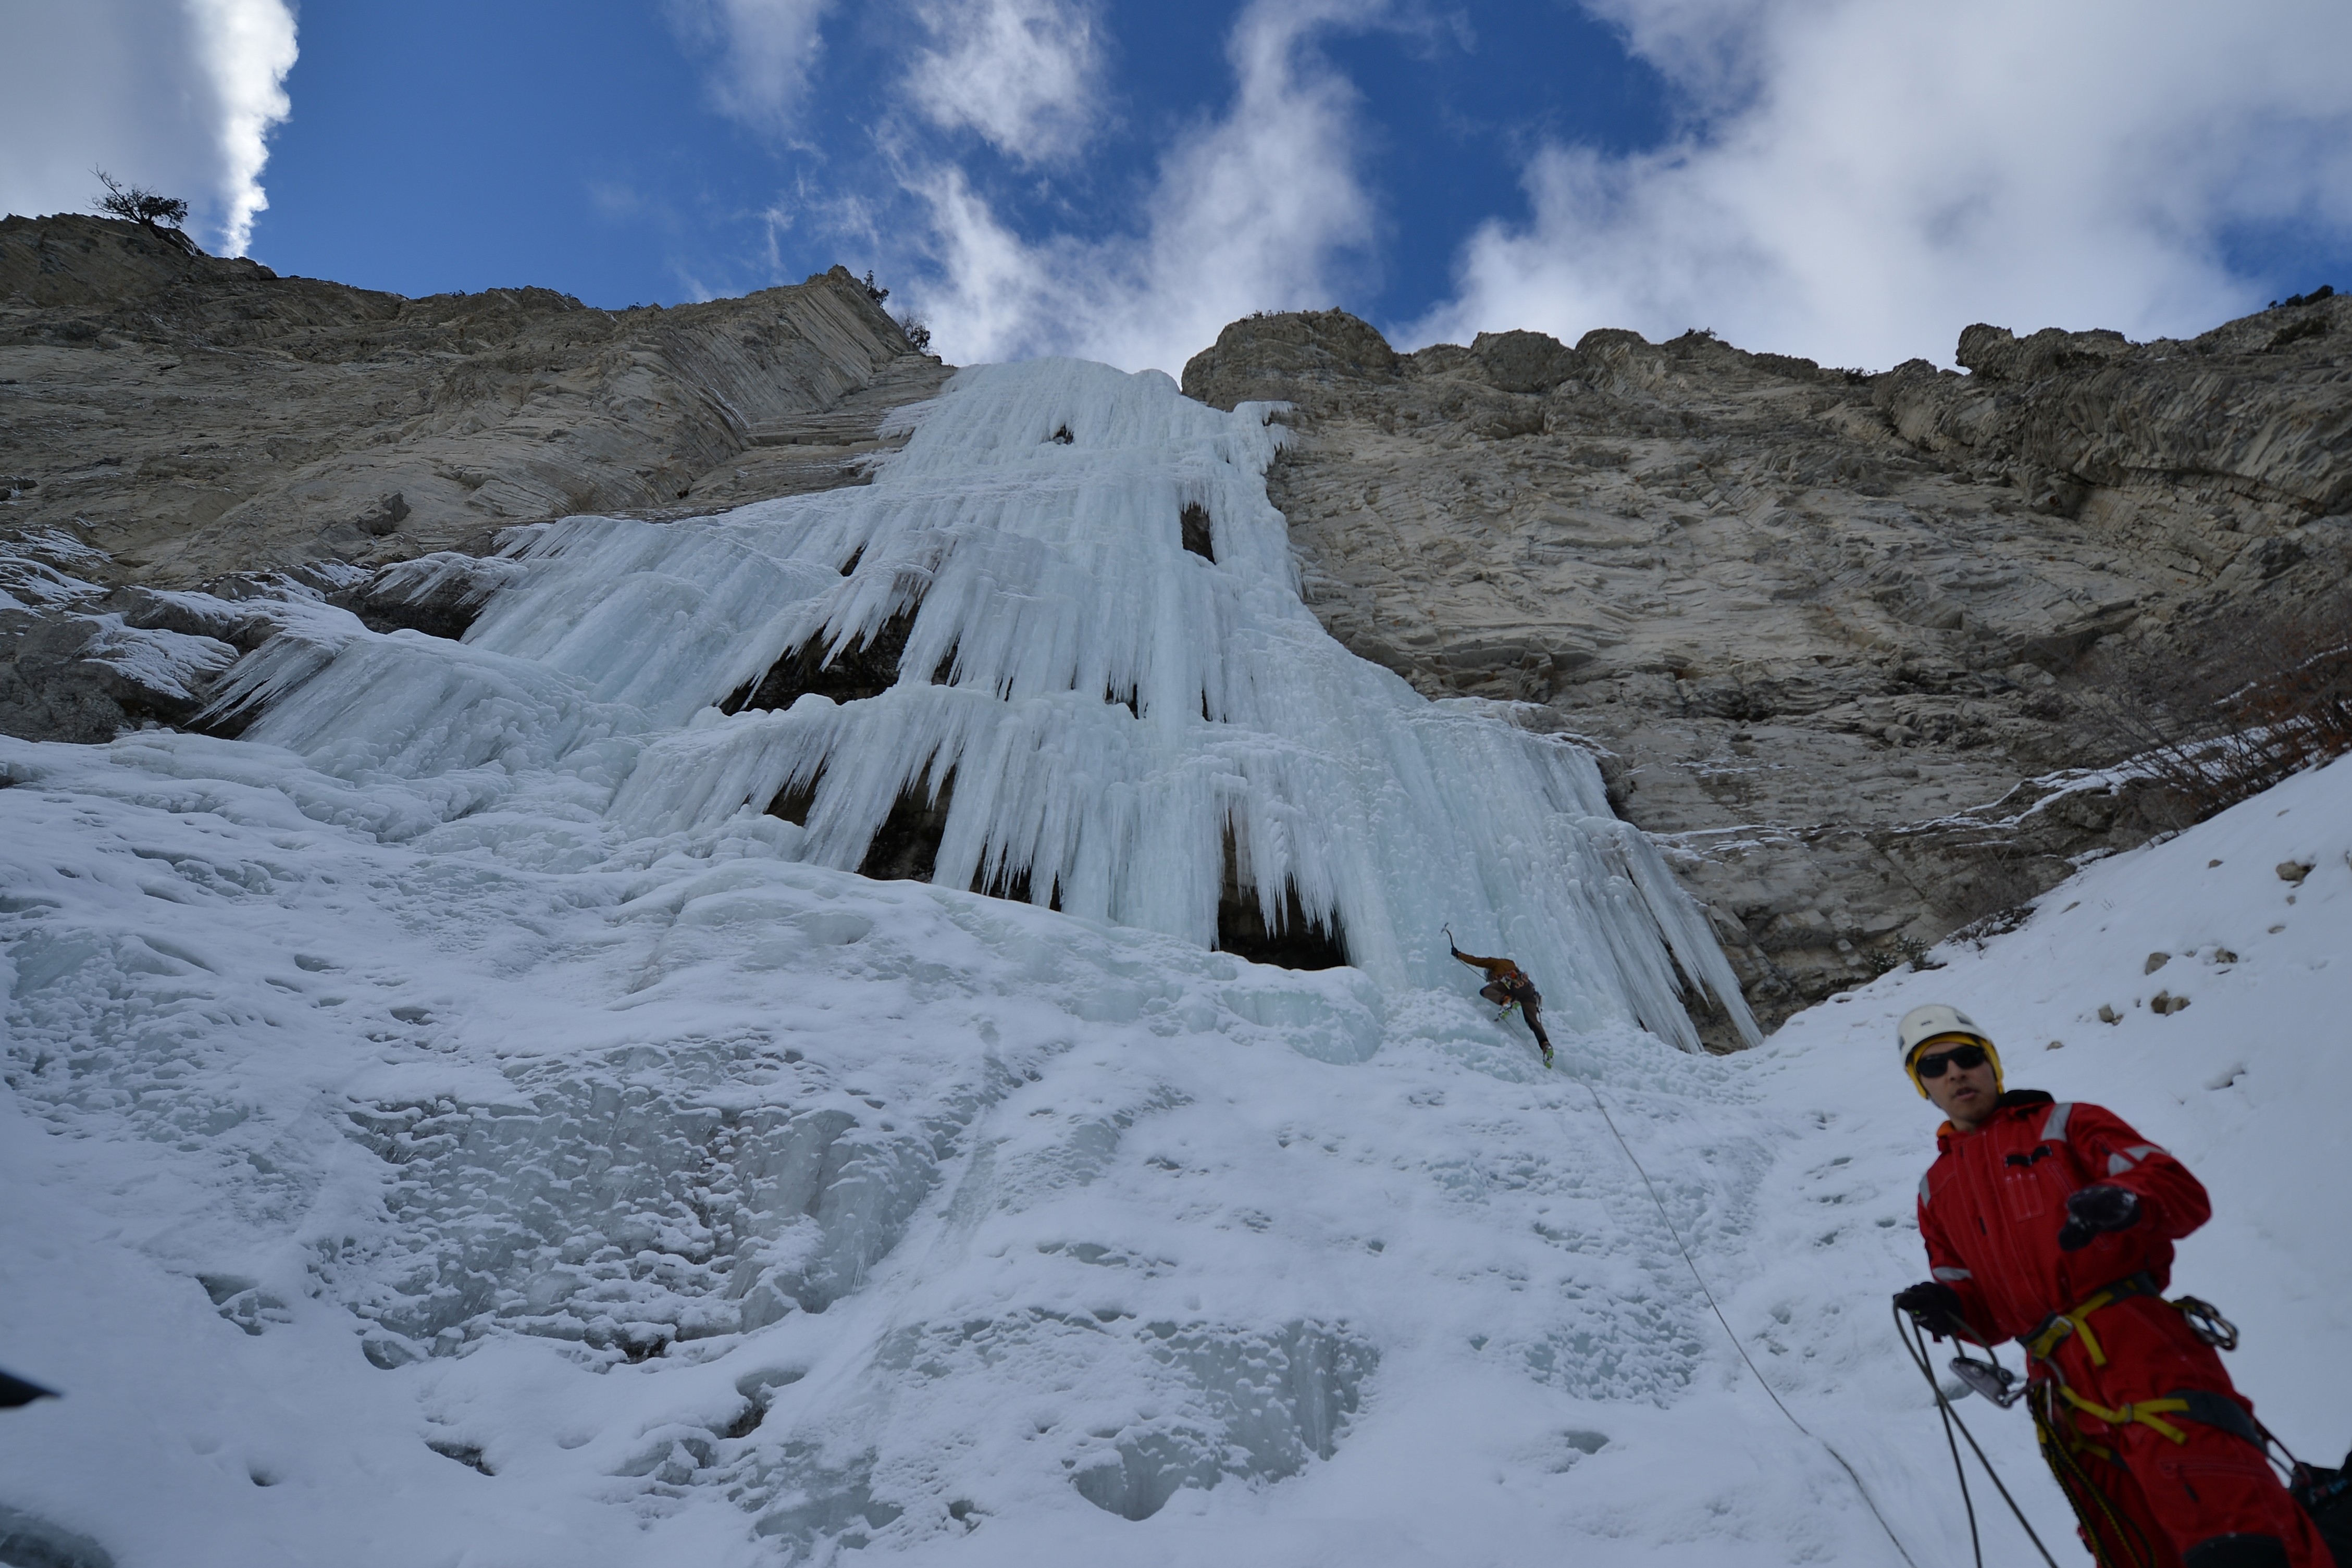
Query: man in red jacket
[[2052, 1225]]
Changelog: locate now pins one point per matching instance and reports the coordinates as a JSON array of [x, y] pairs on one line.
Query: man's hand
[[2095, 1210], [1938, 1308]]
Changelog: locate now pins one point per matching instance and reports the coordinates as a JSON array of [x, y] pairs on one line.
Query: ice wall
[[1111, 706]]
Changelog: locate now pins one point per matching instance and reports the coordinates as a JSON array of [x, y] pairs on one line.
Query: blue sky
[[439, 144], [1854, 180]]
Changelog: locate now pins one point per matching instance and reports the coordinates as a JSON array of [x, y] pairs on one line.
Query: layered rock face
[[196, 416], [191, 419], [1825, 622]]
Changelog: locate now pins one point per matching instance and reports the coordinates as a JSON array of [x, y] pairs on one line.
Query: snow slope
[[418, 1158]]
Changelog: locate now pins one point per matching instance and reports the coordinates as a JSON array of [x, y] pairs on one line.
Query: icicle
[[468, 580], [1111, 706], [309, 638]]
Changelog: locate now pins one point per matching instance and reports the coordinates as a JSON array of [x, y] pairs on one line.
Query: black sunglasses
[[1967, 1058]]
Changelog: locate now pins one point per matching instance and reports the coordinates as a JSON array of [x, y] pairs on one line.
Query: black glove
[[2095, 1209], [1938, 1308]]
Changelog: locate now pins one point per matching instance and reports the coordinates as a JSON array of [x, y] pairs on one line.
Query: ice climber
[[1507, 987], [2052, 1225]]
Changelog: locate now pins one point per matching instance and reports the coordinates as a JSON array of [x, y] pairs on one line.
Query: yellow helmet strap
[[1991, 1051]]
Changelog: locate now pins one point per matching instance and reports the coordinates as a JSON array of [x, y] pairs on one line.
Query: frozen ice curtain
[[1094, 716]]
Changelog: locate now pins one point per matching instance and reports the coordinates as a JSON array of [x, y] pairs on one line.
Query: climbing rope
[[1692, 1264], [1915, 1342]]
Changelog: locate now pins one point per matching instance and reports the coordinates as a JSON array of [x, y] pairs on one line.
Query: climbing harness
[[2099, 1519], [2115, 1539], [2205, 1320], [2198, 1405], [2075, 1322], [2107, 1531], [1689, 1262]]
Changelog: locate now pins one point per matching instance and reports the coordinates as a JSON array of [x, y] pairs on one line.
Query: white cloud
[[1022, 73], [1862, 178], [1261, 208], [178, 97], [246, 46], [766, 48]]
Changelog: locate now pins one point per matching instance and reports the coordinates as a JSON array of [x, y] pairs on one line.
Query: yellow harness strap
[[2076, 1320], [2075, 1323], [2147, 1413]]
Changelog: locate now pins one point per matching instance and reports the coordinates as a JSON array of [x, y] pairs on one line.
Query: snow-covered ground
[[416, 1155]]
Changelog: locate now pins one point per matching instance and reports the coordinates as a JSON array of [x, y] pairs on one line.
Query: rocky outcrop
[[176, 420], [193, 416], [1824, 623]]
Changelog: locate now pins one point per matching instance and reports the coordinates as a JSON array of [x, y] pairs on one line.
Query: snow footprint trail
[[1715, 1309], [468, 1123]]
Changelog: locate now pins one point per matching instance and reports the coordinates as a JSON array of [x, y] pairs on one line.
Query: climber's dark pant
[[1532, 1011]]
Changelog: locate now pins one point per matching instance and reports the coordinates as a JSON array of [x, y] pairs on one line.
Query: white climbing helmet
[[1935, 1021]]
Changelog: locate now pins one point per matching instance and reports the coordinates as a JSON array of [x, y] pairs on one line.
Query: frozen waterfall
[[1105, 682]]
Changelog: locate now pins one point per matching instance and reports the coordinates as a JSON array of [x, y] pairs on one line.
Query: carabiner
[[2206, 1322]]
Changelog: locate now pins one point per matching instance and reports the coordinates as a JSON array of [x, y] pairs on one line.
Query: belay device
[[1989, 1379]]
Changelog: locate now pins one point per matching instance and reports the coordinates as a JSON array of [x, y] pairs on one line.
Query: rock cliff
[[174, 420], [1825, 622]]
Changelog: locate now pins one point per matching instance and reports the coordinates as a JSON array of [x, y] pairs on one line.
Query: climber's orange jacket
[[1508, 977]]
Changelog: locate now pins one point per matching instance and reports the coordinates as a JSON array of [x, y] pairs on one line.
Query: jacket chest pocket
[[2025, 1180]]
